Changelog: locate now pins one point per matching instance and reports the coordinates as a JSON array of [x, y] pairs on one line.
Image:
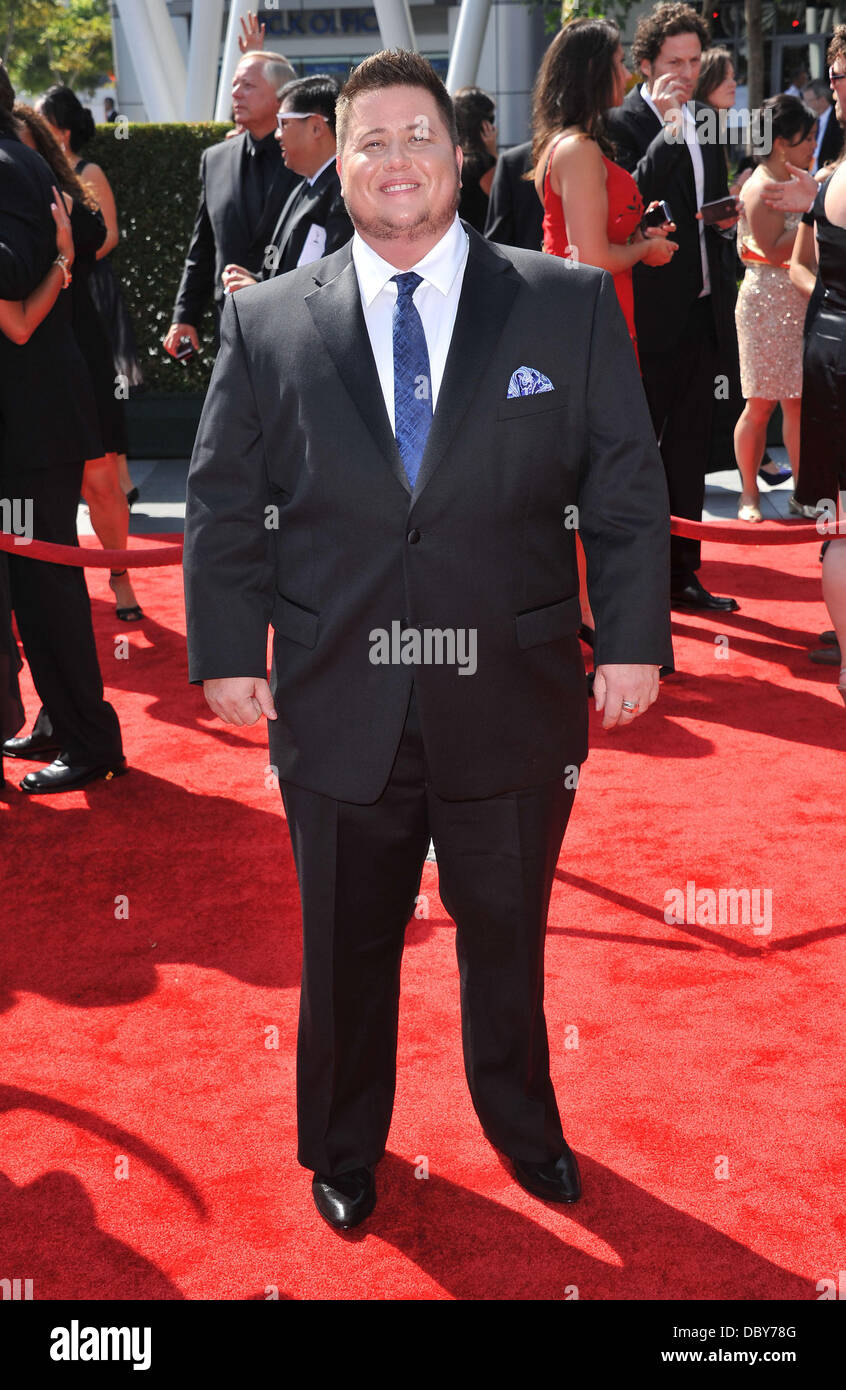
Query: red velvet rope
[[760, 533], [91, 558]]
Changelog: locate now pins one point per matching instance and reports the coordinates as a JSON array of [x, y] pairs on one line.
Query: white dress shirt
[[689, 129], [435, 299]]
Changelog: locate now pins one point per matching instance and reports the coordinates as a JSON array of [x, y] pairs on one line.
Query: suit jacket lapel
[[280, 223], [487, 294], [335, 307]]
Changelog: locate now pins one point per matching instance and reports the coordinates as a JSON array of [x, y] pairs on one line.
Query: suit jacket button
[[413, 536]]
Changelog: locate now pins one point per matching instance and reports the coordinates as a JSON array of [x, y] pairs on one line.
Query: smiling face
[[680, 56], [300, 140], [399, 172]]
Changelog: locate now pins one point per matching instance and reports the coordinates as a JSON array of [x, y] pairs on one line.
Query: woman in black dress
[[73, 126], [101, 483]]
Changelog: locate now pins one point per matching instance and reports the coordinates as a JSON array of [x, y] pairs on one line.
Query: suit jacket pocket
[[296, 623], [548, 624], [518, 407]]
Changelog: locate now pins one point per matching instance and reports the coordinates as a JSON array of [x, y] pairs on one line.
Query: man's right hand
[[177, 331], [669, 95], [239, 699]]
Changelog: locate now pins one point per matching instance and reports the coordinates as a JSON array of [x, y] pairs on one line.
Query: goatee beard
[[427, 225]]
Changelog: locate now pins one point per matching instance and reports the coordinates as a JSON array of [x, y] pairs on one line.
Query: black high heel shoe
[[132, 496], [133, 614]]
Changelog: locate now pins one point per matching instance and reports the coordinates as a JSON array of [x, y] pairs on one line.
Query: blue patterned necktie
[[412, 379]]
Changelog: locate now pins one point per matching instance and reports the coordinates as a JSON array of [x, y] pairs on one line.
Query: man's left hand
[[624, 692]]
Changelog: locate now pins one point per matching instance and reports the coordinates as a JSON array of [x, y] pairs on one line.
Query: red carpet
[[150, 984]]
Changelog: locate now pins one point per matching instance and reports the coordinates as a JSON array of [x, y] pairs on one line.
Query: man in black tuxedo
[[47, 430], [515, 215], [684, 312], [244, 186], [387, 479], [314, 221]]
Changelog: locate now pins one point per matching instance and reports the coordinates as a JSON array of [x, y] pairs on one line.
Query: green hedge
[[154, 172]]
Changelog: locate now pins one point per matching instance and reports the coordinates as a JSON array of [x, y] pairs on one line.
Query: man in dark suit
[[314, 221], [388, 481], [515, 215], [47, 430], [244, 186], [817, 96], [684, 312]]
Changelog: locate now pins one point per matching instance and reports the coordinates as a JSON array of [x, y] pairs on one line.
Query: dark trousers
[[359, 870], [680, 388], [53, 614]]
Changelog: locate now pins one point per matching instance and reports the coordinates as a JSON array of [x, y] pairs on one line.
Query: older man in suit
[[393, 443], [244, 186], [314, 221], [684, 312]]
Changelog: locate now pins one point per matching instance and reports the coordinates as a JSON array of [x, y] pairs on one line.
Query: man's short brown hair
[[837, 47], [394, 68], [662, 23]]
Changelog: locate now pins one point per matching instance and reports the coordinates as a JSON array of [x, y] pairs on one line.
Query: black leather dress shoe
[[693, 595], [344, 1201], [36, 747], [63, 775], [556, 1181]]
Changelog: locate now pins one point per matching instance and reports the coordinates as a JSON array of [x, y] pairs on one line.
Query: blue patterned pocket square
[[528, 381]]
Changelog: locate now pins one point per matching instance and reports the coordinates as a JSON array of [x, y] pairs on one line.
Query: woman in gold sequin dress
[[770, 311]]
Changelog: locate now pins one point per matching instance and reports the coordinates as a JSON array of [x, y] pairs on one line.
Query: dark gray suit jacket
[[320, 205], [221, 234], [295, 421], [515, 214]]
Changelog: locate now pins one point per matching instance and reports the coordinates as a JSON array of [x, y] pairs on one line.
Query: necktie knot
[[406, 284]]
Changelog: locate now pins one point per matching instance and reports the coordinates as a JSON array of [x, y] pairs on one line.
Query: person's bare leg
[[750, 438], [834, 593], [109, 516]]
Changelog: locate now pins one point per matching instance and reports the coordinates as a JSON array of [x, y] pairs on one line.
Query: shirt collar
[[438, 267], [321, 170], [267, 142]]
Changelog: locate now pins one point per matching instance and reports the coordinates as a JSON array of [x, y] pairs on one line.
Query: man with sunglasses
[[314, 221]]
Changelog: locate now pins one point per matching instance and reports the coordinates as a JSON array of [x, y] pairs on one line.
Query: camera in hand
[[656, 217], [185, 349]]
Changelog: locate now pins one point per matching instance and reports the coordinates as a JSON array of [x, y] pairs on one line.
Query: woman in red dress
[[592, 207]]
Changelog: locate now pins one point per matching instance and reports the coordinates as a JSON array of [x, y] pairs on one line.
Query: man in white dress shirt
[[391, 445]]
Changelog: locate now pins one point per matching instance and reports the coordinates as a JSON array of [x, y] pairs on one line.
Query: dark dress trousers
[[515, 215], [224, 230], [48, 427], [300, 514], [316, 205], [682, 338]]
